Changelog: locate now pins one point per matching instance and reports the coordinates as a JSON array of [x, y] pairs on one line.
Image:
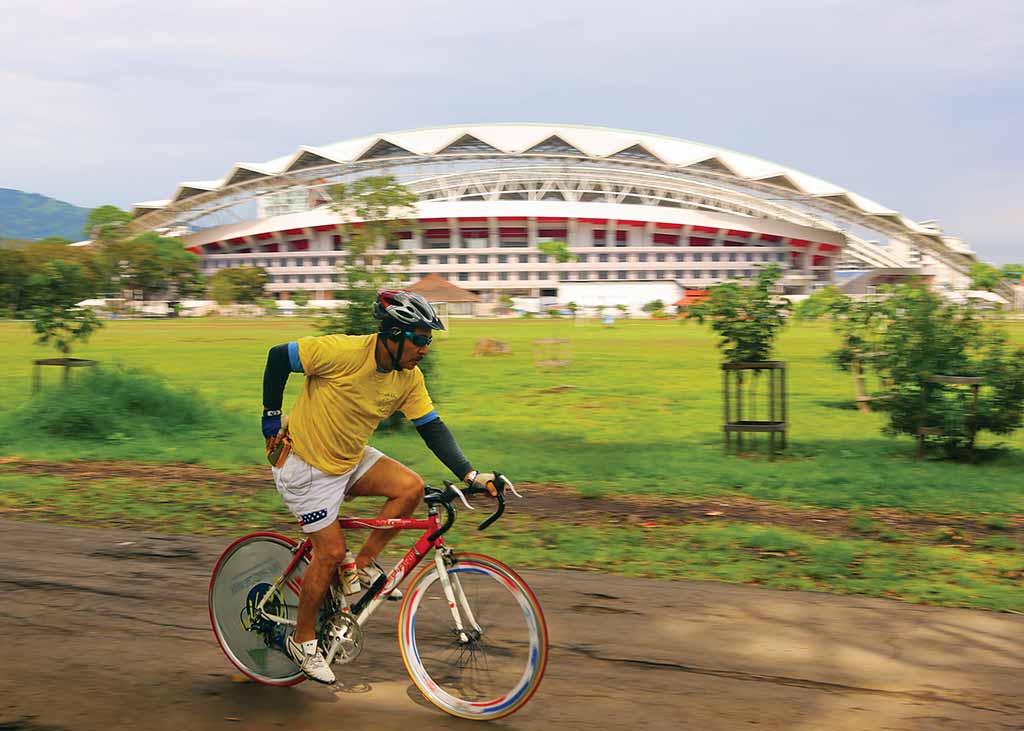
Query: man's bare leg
[[404, 490], [328, 552]]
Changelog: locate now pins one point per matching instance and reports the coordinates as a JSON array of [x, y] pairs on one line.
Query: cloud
[[119, 101]]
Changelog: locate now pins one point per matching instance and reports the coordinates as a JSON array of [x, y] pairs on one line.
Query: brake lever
[[458, 492]]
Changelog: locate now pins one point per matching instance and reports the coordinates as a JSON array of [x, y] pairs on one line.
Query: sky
[[916, 104]]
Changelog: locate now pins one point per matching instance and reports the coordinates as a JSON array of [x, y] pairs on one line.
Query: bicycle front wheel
[[494, 664]]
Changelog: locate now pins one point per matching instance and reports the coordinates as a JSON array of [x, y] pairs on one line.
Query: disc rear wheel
[[246, 571]]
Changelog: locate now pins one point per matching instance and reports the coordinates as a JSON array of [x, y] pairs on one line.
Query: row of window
[[695, 257], [546, 276]]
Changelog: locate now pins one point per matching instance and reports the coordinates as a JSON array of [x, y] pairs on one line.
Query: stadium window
[[661, 257], [697, 274], [581, 258], [716, 256], [524, 259], [502, 275], [483, 276], [622, 257], [542, 275], [750, 256], [731, 274], [780, 257], [765, 256], [443, 259], [713, 274], [602, 275], [698, 257], [461, 259], [620, 238], [602, 258], [620, 274], [542, 258], [502, 259], [422, 260], [641, 257], [523, 276], [661, 274], [732, 256], [301, 279], [463, 276], [483, 259]]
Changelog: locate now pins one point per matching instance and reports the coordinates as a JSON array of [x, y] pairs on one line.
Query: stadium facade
[[641, 213]]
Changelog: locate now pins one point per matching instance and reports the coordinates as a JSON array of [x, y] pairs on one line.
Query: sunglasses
[[418, 340]]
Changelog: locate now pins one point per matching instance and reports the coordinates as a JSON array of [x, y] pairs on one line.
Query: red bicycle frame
[[429, 540]]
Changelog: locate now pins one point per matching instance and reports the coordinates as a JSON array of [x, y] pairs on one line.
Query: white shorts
[[314, 497]]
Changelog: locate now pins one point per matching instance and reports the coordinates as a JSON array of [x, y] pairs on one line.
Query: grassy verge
[[642, 414], [985, 575]]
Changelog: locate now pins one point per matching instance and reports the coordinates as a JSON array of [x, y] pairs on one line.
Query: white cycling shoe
[[314, 665], [368, 575]]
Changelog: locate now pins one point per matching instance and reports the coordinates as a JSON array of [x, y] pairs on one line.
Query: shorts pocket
[[296, 477]]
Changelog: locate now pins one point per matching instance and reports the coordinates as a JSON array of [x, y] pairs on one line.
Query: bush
[[923, 336], [822, 302], [110, 402], [747, 318]]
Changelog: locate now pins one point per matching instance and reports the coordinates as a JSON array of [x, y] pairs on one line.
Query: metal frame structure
[[670, 169]]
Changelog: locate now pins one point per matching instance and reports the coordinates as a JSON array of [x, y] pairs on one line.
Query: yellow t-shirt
[[345, 397]]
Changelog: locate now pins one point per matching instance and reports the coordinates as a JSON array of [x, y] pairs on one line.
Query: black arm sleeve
[[275, 377], [443, 444]]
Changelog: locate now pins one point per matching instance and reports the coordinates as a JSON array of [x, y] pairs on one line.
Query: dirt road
[[109, 629]]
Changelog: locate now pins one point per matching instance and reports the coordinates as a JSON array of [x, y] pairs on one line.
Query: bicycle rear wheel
[[245, 572], [494, 666]]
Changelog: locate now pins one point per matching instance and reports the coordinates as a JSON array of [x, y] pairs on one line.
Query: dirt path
[[567, 505], [109, 630]]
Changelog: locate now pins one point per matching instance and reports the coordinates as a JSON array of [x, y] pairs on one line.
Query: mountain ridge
[[26, 215]]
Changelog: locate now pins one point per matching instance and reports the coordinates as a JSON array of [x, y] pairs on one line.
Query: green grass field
[[642, 415]]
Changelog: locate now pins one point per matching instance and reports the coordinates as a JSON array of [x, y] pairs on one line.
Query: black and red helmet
[[407, 309]]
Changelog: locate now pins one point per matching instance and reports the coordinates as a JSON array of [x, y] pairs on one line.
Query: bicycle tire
[[514, 633], [251, 564]]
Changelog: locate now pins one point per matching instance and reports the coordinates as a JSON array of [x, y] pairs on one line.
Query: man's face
[[412, 354]]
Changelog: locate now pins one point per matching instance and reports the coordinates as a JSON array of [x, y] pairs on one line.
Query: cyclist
[[321, 457]]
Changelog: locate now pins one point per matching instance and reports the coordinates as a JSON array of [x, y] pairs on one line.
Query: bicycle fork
[[456, 596]]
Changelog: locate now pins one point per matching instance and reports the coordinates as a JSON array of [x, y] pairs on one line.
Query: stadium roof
[[593, 144]]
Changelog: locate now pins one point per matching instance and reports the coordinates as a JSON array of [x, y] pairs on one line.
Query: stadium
[[646, 217]]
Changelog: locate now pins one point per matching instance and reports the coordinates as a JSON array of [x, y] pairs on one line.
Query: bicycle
[[482, 659]]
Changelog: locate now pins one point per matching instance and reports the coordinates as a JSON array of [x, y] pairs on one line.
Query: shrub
[[747, 318], [919, 336], [820, 303], [111, 401]]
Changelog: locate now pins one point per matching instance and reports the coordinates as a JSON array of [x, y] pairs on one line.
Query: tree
[[984, 276], [238, 284], [557, 250], [374, 209], [300, 297], [148, 266], [654, 308], [58, 320], [860, 326], [106, 223], [746, 317], [819, 303], [924, 336], [1013, 272], [21, 290]]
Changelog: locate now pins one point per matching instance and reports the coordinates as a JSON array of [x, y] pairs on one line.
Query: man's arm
[[282, 360], [441, 442], [443, 445]]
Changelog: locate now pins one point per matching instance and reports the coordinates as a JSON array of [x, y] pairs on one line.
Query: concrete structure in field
[[640, 210]]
